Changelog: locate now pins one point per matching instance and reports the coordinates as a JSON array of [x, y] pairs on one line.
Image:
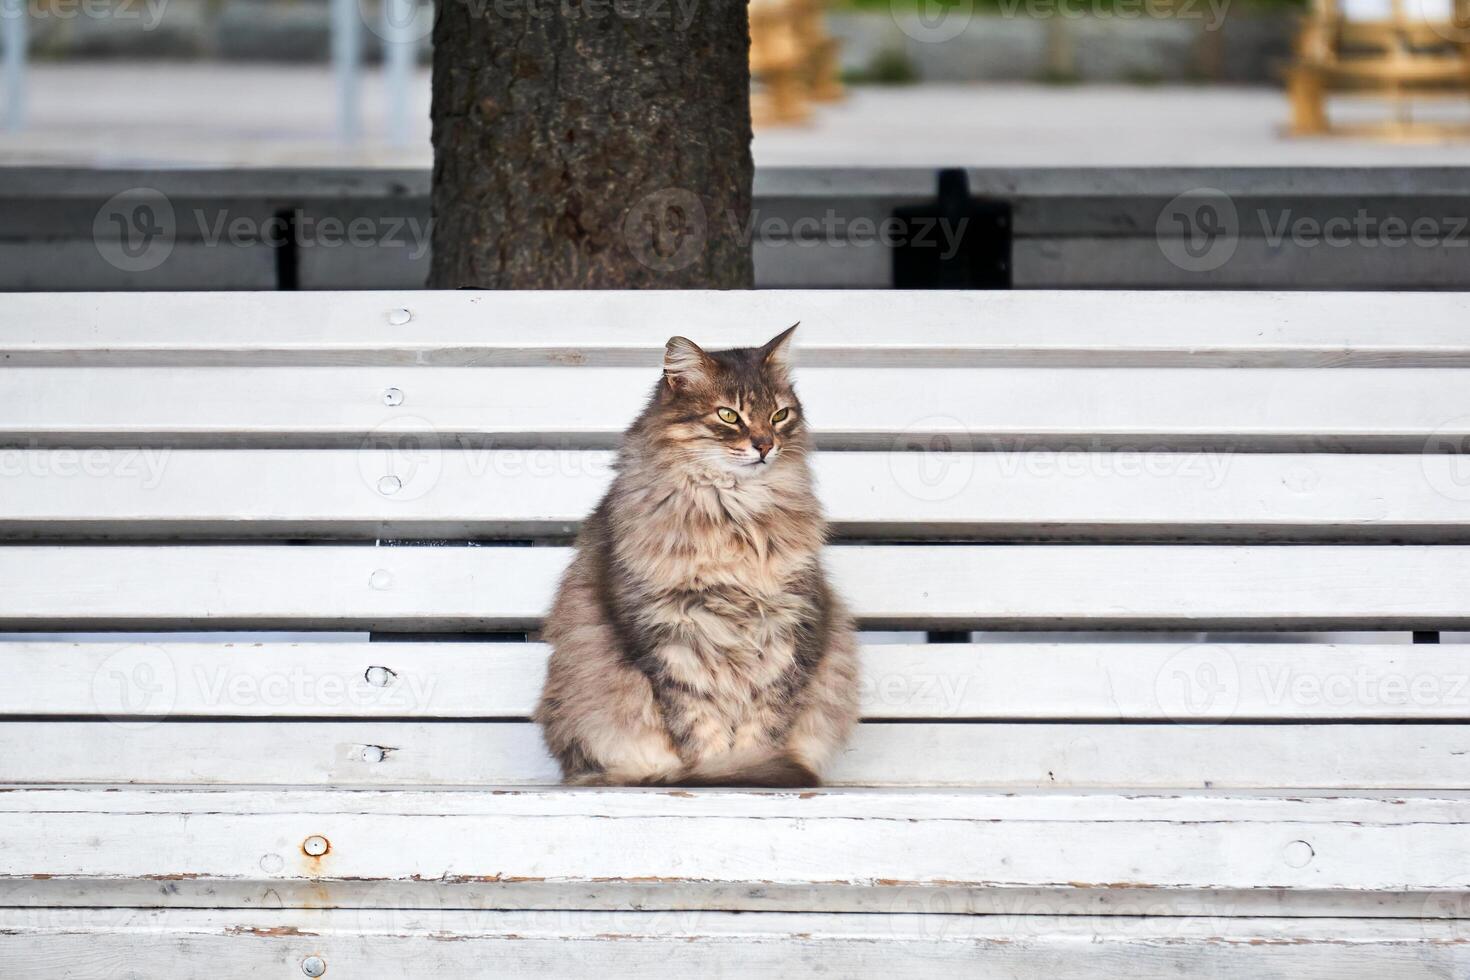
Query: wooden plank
[[87, 944], [484, 493], [1191, 683], [781, 264], [1091, 261], [1387, 409], [1003, 755], [954, 329], [1106, 196], [47, 262], [978, 586], [930, 803], [660, 850]]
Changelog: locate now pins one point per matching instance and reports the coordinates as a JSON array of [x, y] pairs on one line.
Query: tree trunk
[[591, 144]]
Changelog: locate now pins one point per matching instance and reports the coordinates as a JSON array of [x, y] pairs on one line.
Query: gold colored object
[[823, 70], [793, 60], [1403, 53]]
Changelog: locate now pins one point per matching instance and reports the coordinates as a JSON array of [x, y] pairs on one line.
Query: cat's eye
[[781, 415], [727, 415]]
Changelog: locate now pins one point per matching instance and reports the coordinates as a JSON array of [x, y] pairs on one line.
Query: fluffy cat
[[695, 639]]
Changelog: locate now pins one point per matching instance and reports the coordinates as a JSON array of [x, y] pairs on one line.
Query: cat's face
[[735, 410]]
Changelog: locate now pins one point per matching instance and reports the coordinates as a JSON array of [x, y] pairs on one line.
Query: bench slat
[[926, 803], [269, 424], [1002, 586], [1390, 409], [666, 851], [366, 753], [729, 944], [1042, 681], [1100, 329], [181, 493], [882, 946]]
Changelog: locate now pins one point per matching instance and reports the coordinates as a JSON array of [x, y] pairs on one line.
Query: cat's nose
[[762, 445]]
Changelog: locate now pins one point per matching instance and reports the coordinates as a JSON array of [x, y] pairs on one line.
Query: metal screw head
[[399, 317], [1298, 854], [392, 397], [372, 753], [382, 580], [379, 676], [316, 845], [313, 966], [389, 485]]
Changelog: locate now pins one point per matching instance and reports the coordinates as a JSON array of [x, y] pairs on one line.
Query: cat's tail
[[775, 772]]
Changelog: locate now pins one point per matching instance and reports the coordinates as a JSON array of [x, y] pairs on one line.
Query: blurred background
[[1302, 144], [857, 83]]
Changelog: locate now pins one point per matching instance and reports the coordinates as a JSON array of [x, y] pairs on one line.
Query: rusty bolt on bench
[[313, 966], [316, 845]]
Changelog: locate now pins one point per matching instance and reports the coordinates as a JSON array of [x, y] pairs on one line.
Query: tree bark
[[591, 144]]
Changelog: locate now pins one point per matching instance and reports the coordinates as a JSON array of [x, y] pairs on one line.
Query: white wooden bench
[[1170, 464]]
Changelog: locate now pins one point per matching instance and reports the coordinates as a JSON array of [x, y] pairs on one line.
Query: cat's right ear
[[684, 362]]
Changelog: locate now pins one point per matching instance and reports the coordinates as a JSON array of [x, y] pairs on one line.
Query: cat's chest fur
[[722, 576]]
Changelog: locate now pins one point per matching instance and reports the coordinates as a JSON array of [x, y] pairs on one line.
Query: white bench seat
[[830, 850], [1115, 328], [441, 492], [410, 714], [1156, 803], [914, 945], [1157, 756], [1114, 681], [1276, 409], [898, 586]]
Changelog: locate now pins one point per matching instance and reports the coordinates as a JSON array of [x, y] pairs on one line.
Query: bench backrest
[[1163, 464]]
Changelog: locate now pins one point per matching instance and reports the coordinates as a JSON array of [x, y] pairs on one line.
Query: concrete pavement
[[211, 114]]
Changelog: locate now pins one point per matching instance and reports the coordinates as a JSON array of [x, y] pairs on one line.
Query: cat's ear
[[777, 351], [684, 361]]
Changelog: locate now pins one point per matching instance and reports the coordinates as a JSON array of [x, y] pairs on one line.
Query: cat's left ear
[[684, 361], [777, 351]]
